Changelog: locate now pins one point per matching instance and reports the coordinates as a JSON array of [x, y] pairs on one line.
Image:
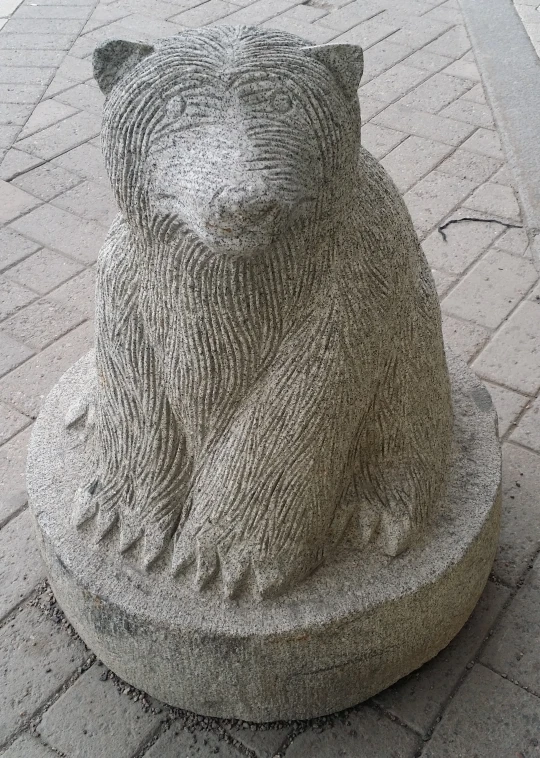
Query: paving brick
[[8, 135], [381, 57], [265, 743], [508, 404], [27, 75], [37, 658], [178, 742], [14, 113], [47, 181], [46, 114], [366, 733], [260, 11], [426, 125], [513, 355], [106, 14], [12, 353], [495, 200], [78, 293], [76, 69], [84, 97], [62, 231], [491, 289], [28, 747], [7, 7], [306, 13], [11, 422], [62, 136], [27, 386], [464, 69], [52, 11], [13, 297], [55, 26], [379, 140], [20, 563], [418, 32], [476, 95], [462, 337], [205, 13], [86, 160], [412, 159], [504, 176], [467, 165], [43, 271], [367, 34], [470, 112], [58, 85], [428, 61], [20, 93], [434, 197], [394, 83], [102, 721], [13, 456], [443, 281], [35, 41], [370, 106], [439, 90], [486, 142], [520, 525], [312, 32], [464, 244], [488, 718], [42, 322], [527, 431], [452, 44], [91, 201], [14, 247], [418, 698], [352, 14], [14, 202], [16, 162]]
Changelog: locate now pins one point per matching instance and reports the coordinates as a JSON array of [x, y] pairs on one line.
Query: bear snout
[[244, 207]]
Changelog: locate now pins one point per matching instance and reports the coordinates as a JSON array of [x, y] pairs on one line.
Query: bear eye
[[281, 101], [176, 106]]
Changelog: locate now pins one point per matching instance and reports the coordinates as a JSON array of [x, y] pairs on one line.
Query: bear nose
[[240, 206]]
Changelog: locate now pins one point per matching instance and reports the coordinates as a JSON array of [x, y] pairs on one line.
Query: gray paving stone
[[205, 13], [177, 742], [16, 162], [453, 43], [513, 649], [14, 113], [513, 355], [489, 718], [62, 136], [462, 337], [265, 743], [12, 475], [20, 93], [381, 57], [437, 92], [370, 106], [520, 530], [260, 11], [90, 200], [491, 289], [422, 124], [464, 244], [393, 84], [464, 69], [43, 271], [12, 353], [27, 75], [351, 15], [486, 142], [35, 41], [419, 698], [38, 57], [20, 563], [428, 61], [37, 657], [42, 322], [306, 13], [365, 733], [54, 26], [45, 114], [417, 32], [28, 747], [413, 159], [47, 181], [102, 721], [495, 200], [379, 140], [367, 34], [14, 202], [86, 160], [11, 422], [443, 281], [467, 165], [14, 247], [83, 97], [313, 32], [27, 386], [62, 231], [508, 403], [12, 297], [471, 112], [434, 197], [7, 135], [527, 431], [78, 293], [34, 10]]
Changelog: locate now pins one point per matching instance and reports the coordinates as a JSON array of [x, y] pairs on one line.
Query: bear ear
[[113, 59], [346, 62]]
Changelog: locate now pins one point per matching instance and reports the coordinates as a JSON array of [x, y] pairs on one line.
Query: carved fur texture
[[270, 363]]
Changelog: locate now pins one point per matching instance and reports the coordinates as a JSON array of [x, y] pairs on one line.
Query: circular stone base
[[358, 624]]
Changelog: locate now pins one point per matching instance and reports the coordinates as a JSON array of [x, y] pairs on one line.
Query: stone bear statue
[[270, 364]]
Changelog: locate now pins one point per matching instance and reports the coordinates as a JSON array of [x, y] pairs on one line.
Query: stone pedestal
[[358, 624]]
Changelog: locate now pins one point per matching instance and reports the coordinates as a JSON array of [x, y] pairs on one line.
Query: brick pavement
[[426, 118]]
